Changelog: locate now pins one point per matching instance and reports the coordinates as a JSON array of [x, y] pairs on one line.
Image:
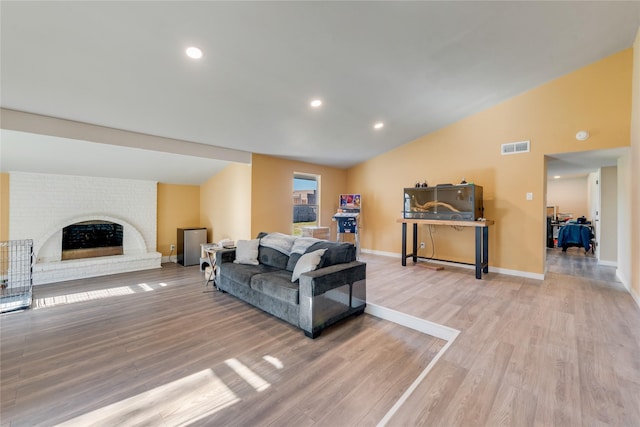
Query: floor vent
[[515, 147]]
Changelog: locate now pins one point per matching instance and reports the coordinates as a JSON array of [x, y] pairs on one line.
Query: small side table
[[211, 272]]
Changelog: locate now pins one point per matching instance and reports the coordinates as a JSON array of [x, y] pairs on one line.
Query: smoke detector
[[583, 135]]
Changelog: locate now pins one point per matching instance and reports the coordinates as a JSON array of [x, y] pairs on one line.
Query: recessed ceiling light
[[194, 52], [556, 177], [316, 103], [378, 125]]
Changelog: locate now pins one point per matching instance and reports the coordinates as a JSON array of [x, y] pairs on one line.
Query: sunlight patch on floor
[[178, 403], [145, 287], [93, 295], [277, 363], [247, 374]]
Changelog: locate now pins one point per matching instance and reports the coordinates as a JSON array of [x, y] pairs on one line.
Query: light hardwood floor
[[560, 352], [150, 348], [564, 351]]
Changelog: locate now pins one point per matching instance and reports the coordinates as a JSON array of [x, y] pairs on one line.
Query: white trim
[[518, 273], [635, 297], [623, 279], [509, 272], [627, 285], [608, 263], [421, 325], [381, 253], [383, 422]]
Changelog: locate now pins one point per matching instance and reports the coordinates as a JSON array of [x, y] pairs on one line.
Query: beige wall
[[569, 195], [4, 207], [634, 223], [225, 203], [596, 98], [178, 207], [608, 239], [272, 190]]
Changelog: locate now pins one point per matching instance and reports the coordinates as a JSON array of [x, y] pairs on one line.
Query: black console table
[[482, 240]]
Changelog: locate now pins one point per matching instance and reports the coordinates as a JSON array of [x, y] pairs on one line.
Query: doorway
[[583, 184]]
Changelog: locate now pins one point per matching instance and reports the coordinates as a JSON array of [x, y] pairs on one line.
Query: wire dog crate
[[16, 271]]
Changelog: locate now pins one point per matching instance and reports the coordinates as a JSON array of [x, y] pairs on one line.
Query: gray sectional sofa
[[333, 291]]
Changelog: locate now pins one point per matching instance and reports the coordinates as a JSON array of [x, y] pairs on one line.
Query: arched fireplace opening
[[89, 239]]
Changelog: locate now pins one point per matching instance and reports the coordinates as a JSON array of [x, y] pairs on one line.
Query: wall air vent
[[515, 147]]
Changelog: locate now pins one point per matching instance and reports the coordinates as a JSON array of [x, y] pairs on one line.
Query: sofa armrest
[[330, 294], [319, 281], [225, 255]]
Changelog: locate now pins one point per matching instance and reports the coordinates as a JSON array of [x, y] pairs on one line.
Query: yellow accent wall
[[178, 207], [272, 189], [635, 173], [225, 204], [4, 207], [596, 98]]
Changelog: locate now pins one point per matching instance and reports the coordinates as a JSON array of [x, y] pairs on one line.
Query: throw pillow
[[247, 252], [307, 262]]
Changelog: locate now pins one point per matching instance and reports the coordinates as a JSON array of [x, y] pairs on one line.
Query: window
[[306, 201]]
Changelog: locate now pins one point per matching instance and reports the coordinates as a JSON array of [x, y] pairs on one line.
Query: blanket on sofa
[[301, 244], [279, 242]]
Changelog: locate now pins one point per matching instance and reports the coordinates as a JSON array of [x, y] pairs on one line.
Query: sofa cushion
[[242, 273], [274, 249], [272, 257], [307, 262], [276, 284], [337, 253], [247, 252]]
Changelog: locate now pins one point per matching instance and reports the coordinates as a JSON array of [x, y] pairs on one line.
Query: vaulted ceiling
[[414, 66]]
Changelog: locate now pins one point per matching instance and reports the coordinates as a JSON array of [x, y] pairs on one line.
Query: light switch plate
[[529, 196]]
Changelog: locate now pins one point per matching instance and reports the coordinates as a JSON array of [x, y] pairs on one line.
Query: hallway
[[576, 263]]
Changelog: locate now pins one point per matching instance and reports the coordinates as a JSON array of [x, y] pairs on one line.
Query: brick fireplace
[[42, 206]]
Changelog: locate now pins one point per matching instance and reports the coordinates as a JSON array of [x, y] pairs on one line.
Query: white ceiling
[[416, 66], [575, 165], [28, 152]]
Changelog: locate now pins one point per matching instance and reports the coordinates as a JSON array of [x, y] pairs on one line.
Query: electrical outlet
[[421, 245], [173, 247]]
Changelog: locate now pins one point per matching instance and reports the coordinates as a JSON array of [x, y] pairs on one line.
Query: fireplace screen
[[91, 239]]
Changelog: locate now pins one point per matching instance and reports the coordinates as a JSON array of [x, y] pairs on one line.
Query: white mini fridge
[[188, 248]]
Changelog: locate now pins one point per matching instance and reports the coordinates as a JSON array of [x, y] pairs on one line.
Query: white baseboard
[[623, 279], [518, 273], [608, 263], [381, 253], [627, 285], [172, 259], [635, 297]]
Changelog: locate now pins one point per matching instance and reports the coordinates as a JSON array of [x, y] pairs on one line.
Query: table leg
[[415, 243], [485, 248], [478, 253], [404, 244]]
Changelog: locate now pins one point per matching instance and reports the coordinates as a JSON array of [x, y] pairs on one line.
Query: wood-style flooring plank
[[166, 353], [575, 337], [556, 352]]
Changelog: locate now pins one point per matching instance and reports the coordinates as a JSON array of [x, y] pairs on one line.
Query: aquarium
[[447, 202]]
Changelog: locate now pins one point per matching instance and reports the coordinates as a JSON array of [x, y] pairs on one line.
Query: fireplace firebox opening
[[90, 239]]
